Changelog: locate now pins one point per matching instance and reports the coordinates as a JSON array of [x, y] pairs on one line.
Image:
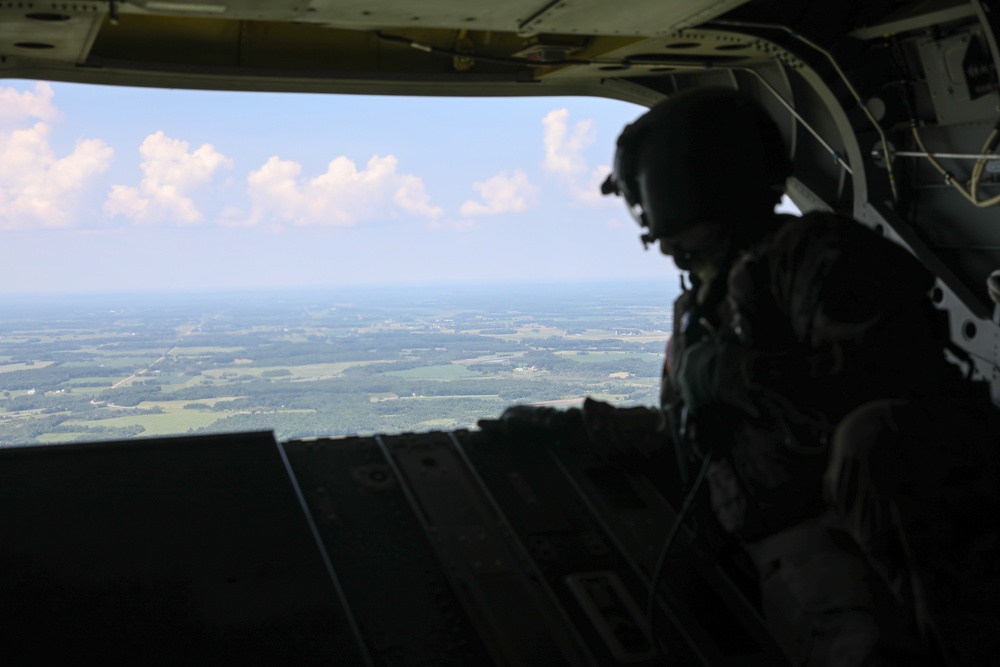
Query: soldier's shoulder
[[819, 222], [859, 254], [826, 228]]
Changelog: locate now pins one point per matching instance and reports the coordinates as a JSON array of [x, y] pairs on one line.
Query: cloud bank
[[503, 193], [564, 158], [341, 196], [38, 188], [171, 175]]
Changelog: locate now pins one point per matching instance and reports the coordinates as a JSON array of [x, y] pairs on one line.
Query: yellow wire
[[977, 170], [950, 180]]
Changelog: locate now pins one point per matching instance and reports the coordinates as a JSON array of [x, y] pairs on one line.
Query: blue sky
[[106, 188]]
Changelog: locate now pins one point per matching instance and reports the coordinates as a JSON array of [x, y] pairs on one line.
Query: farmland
[[331, 362]]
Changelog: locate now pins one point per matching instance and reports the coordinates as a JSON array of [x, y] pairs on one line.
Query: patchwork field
[[320, 363]]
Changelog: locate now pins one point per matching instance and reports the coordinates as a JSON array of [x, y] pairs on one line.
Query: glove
[[611, 432], [713, 373], [619, 432], [535, 420]]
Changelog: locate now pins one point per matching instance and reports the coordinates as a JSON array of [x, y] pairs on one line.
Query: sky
[[124, 189]]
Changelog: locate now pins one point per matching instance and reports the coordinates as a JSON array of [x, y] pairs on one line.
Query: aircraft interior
[[469, 548]]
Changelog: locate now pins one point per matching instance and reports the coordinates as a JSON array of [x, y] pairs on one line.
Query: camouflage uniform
[[812, 368]]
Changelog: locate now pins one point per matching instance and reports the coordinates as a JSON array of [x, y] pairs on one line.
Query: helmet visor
[[620, 182]]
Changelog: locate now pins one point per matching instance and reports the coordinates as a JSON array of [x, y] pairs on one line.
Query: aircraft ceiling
[[349, 45]]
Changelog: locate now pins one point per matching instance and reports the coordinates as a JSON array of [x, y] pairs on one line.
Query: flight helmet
[[710, 154]]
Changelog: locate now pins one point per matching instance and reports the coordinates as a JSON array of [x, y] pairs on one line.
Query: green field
[[600, 357], [186, 351], [7, 368], [304, 371], [173, 406], [388, 362], [108, 380], [165, 424], [115, 362], [439, 372]]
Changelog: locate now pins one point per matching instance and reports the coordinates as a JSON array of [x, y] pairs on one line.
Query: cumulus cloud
[[504, 193], [37, 188], [18, 106], [170, 175], [341, 196], [564, 147]]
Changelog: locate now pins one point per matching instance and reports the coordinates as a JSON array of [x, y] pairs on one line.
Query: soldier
[[806, 364]]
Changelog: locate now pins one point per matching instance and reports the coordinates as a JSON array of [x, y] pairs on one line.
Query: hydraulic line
[[843, 77], [835, 154], [951, 156], [972, 193]]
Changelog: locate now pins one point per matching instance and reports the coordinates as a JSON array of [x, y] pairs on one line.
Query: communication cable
[[667, 543]]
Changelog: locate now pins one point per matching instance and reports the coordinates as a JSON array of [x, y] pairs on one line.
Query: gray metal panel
[[488, 567], [39, 33], [942, 60], [639, 18], [473, 15], [580, 515], [585, 17], [917, 16], [400, 595], [169, 551]]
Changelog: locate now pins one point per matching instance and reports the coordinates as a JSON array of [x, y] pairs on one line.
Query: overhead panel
[[529, 17], [62, 32], [582, 39], [678, 52], [645, 17], [454, 14], [248, 10]]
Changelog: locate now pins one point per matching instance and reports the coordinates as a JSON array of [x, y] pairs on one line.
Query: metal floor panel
[[175, 550], [443, 549]]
